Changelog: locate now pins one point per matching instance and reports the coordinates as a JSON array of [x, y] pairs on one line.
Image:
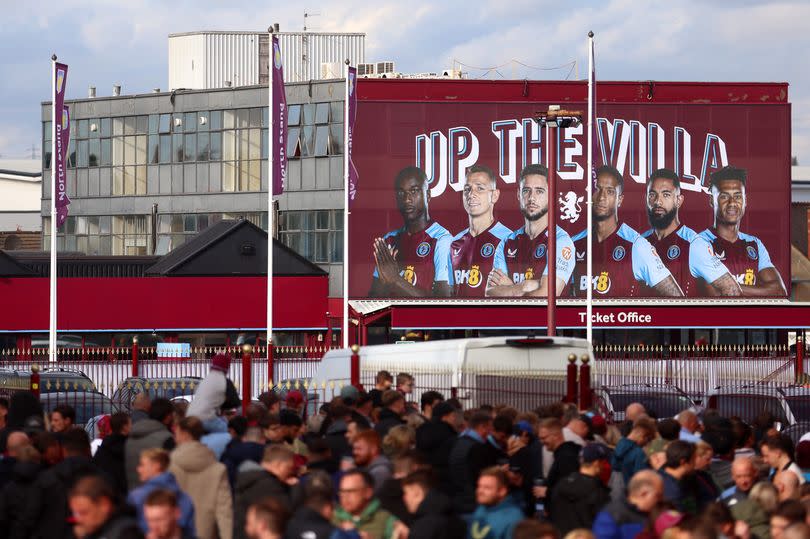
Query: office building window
[[316, 235]]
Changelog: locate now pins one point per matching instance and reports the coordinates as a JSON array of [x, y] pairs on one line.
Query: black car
[[163, 387]]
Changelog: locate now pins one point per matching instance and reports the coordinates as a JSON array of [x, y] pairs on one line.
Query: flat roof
[[248, 32]]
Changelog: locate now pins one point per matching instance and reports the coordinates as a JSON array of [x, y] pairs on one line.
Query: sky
[[106, 43]]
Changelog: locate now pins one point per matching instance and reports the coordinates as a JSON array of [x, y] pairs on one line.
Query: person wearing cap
[[580, 496], [213, 393], [435, 438], [294, 401], [656, 452], [392, 412]]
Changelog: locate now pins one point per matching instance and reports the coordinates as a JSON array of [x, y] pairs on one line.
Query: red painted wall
[[163, 303]]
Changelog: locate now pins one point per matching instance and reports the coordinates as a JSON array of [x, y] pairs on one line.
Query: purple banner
[[278, 121], [351, 104], [62, 202], [60, 142]]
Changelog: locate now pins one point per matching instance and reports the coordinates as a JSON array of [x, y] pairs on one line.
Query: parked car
[[87, 404], [797, 430], [50, 380], [164, 387], [797, 399], [660, 400], [747, 402]]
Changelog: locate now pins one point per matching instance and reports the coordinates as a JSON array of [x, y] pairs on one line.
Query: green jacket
[[374, 520], [752, 514]]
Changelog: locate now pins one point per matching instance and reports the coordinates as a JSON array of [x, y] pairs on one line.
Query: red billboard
[[690, 196]]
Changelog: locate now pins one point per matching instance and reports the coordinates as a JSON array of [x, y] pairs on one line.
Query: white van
[[523, 372]]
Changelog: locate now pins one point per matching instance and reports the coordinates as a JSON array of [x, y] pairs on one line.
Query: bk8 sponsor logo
[[601, 282], [470, 277]]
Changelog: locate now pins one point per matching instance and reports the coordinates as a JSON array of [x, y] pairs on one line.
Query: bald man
[[787, 485], [626, 517], [634, 411], [690, 426], [14, 443], [744, 475]]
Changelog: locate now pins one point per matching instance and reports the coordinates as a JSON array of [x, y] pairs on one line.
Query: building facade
[[146, 172]]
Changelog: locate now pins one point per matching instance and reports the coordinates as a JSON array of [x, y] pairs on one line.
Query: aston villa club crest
[[540, 251], [423, 249], [752, 253], [619, 253], [277, 56], [487, 250], [673, 252], [570, 207]]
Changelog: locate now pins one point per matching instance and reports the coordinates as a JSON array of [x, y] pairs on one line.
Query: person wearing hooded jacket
[[110, 455], [432, 515], [146, 434], [152, 470], [629, 457], [18, 494], [204, 479], [213, 393], [268, 480], [580, 496]]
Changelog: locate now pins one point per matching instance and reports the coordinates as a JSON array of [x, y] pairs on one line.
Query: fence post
[[270, 366], [585, 383], [135, 367], [799, 368], [247, 353], [571, 378], [35, 380], [354, 374]]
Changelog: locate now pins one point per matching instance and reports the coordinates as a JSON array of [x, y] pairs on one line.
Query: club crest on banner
[[487, 250], [423, 249], [570, 207], [618, 253]]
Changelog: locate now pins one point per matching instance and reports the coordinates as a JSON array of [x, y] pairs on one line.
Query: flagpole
[[345, 329], [589, 191], [270, 216], [52, 306]]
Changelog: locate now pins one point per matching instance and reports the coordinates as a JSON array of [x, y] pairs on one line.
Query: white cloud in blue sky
[[126, 42]]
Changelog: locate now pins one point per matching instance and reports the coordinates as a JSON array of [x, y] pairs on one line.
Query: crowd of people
[[378, 465]]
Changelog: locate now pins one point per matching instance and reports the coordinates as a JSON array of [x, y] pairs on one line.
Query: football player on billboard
[[521, 264], [743, 254], [414, 260]]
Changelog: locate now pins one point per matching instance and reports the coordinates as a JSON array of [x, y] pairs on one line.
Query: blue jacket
[[619, 520], [629, 458], [165, 481], [495, 522]]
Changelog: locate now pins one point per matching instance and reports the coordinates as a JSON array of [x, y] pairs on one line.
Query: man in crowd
[[163, 515], [266, 519], [154, 475], [625, 518], [155, 431], [744, 474], [629, 457], [382, 383], [497, 513], [432, 512], [786, 514], [468, 457], [580, 496], [273, 478], [680, 462], [690, 426], [96, 514], [360, 510], [566, 458], [367, 453], [393, 410], [777, 452], [62, 418]]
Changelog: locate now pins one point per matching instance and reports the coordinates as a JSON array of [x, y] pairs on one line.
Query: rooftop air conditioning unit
[[365, 69], [451, 73], [385, 67]]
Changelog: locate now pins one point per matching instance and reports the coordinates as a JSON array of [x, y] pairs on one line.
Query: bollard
[[355, 366], [247, 360], [135, 366], [799, 367], [35, 381], [585, 383], [571, 379], [270, 377]]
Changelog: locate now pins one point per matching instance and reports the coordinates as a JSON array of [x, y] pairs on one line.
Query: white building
[[209, 59], [20, 190]]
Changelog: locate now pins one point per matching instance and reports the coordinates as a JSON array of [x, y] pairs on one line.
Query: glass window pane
[[336, 246], [202, 147], [177, 223], [118, 126], [118, 181], [228, 176], [229, 145], [118, 151], [106, 158], [335, 139], [264, 144], [203, 122], [265, 116], [164, 224], [255, 176], [255, 151], [321, 140], [229, 119], [190, 122], [83, 129], [154, 119], [153, 157], [202, 222], [322, 113], [190, 150], [130, 123], [244, 143], [165, 125], [94, 152], [129, 150], [165, 148], [244, 176], [189, 223], [293, 149], [104, 224], [71, 156], [256, 117], [129, 180], [177, 122], [142, 125], [215, 117], [177, 147], [242, 117], [189, 179], [105, 127], [307, 141], [293, 115], [93, 128], [83, 153], [216, 147], [309, 114], [337, 113], [140, 180], [141, 142]]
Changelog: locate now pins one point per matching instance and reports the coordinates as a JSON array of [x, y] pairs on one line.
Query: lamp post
[[553, 118]]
